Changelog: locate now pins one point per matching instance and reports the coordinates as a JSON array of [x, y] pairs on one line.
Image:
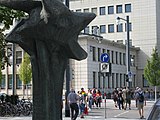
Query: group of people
[[83, 101], [122, 99]]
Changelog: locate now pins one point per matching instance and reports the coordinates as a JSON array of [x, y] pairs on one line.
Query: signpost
[[105, 68]]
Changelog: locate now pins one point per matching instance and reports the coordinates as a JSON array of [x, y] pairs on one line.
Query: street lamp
[[127, 47]]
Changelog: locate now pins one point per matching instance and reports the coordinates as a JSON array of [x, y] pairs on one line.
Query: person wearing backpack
[[140, 102]]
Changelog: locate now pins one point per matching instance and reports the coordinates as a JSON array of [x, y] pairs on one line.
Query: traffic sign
[[104, 67], [104, 57]]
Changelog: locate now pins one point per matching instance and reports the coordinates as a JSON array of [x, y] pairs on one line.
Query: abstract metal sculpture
[[49, 35]]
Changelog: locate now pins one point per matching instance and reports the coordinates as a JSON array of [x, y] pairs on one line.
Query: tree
[[6, 17], [152, 70], [25, 70]]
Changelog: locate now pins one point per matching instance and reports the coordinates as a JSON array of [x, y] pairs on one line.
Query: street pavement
[[105, 113]]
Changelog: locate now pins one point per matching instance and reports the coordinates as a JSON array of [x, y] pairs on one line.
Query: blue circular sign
[[104, 57]]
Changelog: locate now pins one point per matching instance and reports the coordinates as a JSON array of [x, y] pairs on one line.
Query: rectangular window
[[120, 28], [18, 57], [102, 10], [124, 82], [124, 59], [95, 30], [130, 27], [78, 10], [116, 57], [104, 50], [110, 28], [110, 9], [86, 10], [94, 79], [120, 58], [18, 82], [108, 52], [99, 53], [102, 28], [9, 81], [99, 80], [117, 81], [86, 30], [127, 8], [94, 10], [120, 82], [112, 56], [113, 80], [3, 82], [94, 53], [119, 9]]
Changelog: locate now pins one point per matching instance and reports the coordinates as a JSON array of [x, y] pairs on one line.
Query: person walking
[[72, 101], [140, 102]]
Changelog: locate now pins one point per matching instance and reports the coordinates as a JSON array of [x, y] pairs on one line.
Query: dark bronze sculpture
[[50, 36]]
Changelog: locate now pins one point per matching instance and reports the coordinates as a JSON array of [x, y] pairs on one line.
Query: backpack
[[141, 97]]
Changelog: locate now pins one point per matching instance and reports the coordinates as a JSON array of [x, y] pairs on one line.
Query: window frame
[[110, 28], [119, 9], [110, 10], [102, 10]]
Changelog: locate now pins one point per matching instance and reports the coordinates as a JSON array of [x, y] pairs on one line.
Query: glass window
[[119, 9], [94, 79], [18, 82], [116, 57], [3, 82], [86, 30], [86, 10], [130, 27], [113, 80], [120, 58], [79, 10], [124, 59], [99, 53], [104, 50], [94, 53], [117, 80], [102, 11], [127, 7], [112, 56], [99, 80], [95, 30], [120, 80], [110, 28], [9, 81], [18, 57], [120, 28], [108, 52], [110, 9], [102, 28], [94, 10]]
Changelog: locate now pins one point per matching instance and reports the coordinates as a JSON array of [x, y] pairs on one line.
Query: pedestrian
[[128, 98], [140, 102], [135, 93], [115, 96], [120, 99], [98, 99], [72, 101], [90, 99]]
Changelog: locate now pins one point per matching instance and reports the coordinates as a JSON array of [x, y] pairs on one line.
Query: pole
[[67, 110], [13, 69], [127, 49]]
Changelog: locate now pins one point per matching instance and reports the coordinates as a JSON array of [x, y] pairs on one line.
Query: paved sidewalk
[[110, 101]]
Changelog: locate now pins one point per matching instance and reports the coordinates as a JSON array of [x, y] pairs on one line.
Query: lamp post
[[127, 48]]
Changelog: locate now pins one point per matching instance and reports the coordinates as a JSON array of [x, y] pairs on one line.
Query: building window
[[18, 82], [79, 10], [116, 57], [124, 82], [99, 80], [86, 30], [110, 28], [127, 7], [124, 59], [94, 53], [86, 10], [120, 81], [104, 50], [130, 27], [94, 79], [117, 80], [9, 81], [120, 58], [120, 28], [18, 57], [119, 9], [102, 10], [113, 80], [3, 82], [95, 30], [112, 56], [102, 28], [108, 52], [110, 9], [94, 10], [99, 53], [145, 82]]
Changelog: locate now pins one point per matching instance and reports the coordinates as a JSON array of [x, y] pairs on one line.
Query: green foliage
[[152, 69], [25, 71]]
